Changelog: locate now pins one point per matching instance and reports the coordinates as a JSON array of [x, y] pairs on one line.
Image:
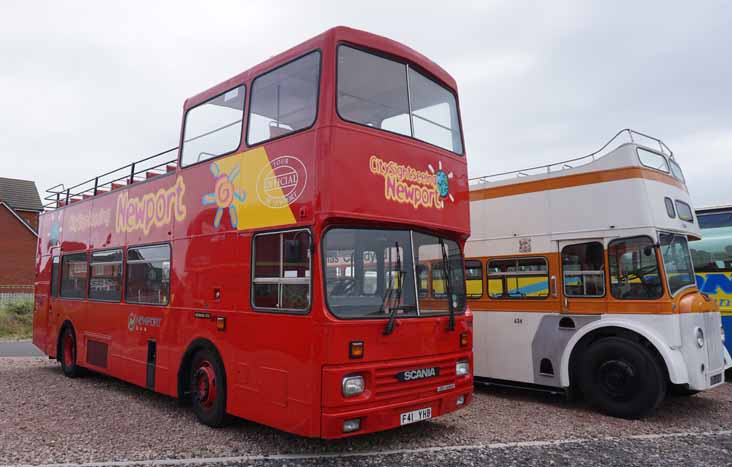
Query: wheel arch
[[185, 363], [66, 324], [673, 361]]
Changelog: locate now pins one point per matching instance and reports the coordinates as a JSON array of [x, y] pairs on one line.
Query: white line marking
[[331, 455]]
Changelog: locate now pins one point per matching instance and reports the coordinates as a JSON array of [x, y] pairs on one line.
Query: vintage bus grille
[[389, 387], [713, 342]]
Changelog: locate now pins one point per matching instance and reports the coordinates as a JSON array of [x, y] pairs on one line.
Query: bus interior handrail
[[565, 165]]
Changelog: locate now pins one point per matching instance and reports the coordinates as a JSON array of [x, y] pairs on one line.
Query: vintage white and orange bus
[[268, 268], [580, 278]]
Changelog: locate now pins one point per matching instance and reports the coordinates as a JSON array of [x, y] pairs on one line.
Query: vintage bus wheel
[[621, 378], [67, 353], [208, 388]]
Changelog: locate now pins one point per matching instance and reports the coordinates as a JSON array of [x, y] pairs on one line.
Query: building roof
[[20, 194]]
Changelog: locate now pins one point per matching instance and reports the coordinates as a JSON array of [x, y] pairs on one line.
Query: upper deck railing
[[633, 136], [136, 172]]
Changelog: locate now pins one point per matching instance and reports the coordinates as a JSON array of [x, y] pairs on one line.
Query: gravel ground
[[45, 417]]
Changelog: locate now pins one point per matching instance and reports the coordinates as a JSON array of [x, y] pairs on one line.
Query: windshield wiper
[[448, 287], [400, 278]]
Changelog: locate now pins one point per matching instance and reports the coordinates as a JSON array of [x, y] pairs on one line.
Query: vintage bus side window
[[284, 100], [684, 211], [518, 278], [54, 276], [282, 271], [214, 127], [105, 282], [74, 273], [584, 270], [148, 275], [634, 269], [670, 207], [652, 160], [474, 278]]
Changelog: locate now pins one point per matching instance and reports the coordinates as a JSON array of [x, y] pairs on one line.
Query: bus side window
[[518, 278], [583, 266], [74, 274], [634, 269], [284, 100], [105, 282], [474, 278], [148, 275], [214, 127], [281, 279]]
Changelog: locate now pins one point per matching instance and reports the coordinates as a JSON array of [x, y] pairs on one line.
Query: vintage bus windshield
[[392, 96], [368, 272], [676, 261]]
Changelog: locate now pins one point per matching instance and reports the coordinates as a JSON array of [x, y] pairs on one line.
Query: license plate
[[416, 416]]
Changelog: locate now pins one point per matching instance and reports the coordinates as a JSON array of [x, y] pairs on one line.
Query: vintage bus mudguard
[[718, 285]]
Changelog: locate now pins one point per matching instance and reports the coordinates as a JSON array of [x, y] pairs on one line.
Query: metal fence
[[15, 294]]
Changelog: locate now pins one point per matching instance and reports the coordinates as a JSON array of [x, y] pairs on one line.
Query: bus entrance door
[[583, 276]]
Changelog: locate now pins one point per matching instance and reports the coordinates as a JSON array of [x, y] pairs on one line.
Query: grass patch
[[16, 320]]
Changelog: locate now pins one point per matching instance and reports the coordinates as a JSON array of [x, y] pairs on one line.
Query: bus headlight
[[462, 368], [699, 338], [353, 386]]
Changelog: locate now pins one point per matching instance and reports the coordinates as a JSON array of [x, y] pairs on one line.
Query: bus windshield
[[382, 93], [370, 272], [676, 261]]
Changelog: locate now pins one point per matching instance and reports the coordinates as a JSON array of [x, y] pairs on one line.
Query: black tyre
[[207, 385], [621, 378], [67, 353]]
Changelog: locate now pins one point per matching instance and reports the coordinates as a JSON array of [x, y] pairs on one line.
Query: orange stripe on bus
[[568, 181]]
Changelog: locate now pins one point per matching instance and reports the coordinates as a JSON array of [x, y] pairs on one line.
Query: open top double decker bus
[[712, 256], [592, 287], [268, 268]]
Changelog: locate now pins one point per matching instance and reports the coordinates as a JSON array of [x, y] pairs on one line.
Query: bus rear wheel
[[67, 353], [621, 378], [208, 388]]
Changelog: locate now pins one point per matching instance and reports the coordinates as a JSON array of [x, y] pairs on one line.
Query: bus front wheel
[[208, 388], [67, 353], [621, 378]]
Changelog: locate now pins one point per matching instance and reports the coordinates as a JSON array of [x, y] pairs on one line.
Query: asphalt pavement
[[19, 349]]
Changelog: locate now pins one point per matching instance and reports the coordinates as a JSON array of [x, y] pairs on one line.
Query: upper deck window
[[214, 127], [684, 211], [284, 100], [653, 160], [676, 171], [390, 95]]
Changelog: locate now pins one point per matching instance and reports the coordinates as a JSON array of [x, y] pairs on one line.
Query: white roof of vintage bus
[[619, 201]]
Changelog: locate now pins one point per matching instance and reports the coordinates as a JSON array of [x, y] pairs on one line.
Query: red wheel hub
[[205, 384], [68, 349]]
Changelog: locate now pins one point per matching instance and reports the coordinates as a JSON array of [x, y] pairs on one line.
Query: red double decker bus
[[297, 261]]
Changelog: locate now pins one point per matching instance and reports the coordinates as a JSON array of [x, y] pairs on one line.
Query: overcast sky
[[90, 86]]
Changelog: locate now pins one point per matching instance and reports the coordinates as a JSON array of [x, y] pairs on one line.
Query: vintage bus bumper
[[389, 403]]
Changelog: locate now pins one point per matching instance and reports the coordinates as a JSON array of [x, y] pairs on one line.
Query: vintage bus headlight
[[699, 338], [462, 368], [353, 386]]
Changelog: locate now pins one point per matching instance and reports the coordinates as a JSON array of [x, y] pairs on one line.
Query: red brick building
[[20, 206]]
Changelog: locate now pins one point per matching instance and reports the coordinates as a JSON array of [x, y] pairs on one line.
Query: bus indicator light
[[356, 349]]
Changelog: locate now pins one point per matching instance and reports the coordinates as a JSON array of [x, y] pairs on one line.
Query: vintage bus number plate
[[416, 416]]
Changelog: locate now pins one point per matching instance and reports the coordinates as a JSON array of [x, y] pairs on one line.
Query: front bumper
[[389, 416]]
